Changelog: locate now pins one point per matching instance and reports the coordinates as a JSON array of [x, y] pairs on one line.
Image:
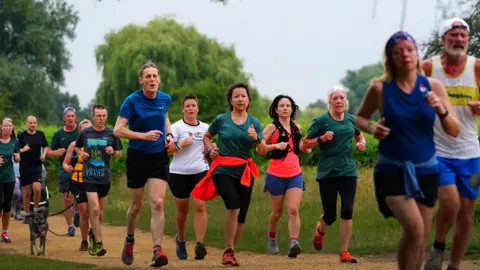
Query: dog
[[38, 230]]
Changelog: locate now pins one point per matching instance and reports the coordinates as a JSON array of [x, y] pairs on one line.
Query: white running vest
[[461, 90]]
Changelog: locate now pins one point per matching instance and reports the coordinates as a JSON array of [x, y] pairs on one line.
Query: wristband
[[259, 140], [169, 134], [441, 116], [319, 139], [209, 150]]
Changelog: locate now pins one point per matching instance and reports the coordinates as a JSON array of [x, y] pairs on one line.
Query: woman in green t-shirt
[[334, 131], [233, 169], [9, 147]]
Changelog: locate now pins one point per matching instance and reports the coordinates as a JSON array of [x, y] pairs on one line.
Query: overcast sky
[[295, 47]]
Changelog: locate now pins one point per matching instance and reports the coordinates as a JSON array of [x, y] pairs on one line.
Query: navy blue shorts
[[277, 186]]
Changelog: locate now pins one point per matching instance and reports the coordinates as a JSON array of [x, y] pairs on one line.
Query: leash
[[55, 214]]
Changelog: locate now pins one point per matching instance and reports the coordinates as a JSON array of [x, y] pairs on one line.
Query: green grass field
[[372, 234]]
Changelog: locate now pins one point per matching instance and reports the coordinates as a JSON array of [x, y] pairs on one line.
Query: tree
[[33, 55], [320, 103], [67, 100], [189, 62], [471, 11], [357, 82]]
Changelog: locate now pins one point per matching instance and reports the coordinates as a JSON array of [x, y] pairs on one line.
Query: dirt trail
[[66, 249]]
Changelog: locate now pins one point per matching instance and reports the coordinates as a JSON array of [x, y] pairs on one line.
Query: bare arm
[[450, 123], [369, 105], [427, 67], [121, 131], [360, 138], [268, 132], [68, 158], [17, 157]]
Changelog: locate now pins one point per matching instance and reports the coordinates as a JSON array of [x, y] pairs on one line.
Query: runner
[[58, 147], [237, 132], [284, 179], [188, 167], [33, 148], [458, 157], [406, 173], [333, 132], [146, 113], [9, 148], [73, 163], [95, 145]]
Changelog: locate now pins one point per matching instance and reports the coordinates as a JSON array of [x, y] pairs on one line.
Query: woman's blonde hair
[[330, 93], [389, 69]]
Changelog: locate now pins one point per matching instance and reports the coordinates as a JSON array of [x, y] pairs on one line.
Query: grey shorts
[[64, 184]]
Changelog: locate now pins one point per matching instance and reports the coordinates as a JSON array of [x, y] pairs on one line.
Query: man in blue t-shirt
[[149, 133]]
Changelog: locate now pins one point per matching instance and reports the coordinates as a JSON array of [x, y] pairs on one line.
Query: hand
[[213, 153], [84, 155], [281, 146], [152, 135], [435, 102], [1, 161], [109, 150], [474, 106], [379, 130], [188, 141], [361, 146], [42, 157], [26, 148], [169, 143], [252, 133], [68, 168], [328, 136], [61, 151]]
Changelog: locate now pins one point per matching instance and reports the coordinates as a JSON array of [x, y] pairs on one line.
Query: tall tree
[[33, 55], [189, 62], [357, 82], [470, 9]]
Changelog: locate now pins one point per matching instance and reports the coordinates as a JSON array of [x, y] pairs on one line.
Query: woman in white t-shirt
[[187, 168]]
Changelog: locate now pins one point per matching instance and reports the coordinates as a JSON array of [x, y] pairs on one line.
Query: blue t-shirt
[[145, 114]]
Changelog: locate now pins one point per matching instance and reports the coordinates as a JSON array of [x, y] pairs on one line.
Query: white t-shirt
[[190, 159]]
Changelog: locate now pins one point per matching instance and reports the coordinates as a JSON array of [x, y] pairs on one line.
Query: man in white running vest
[[458, 158]]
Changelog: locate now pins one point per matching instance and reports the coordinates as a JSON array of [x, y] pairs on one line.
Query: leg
[[276, 202], [347, 192], [6, 190], [293, 196], [328, 196], [133, 212], [156, 197], [449, 206], [94, 214], [200, 219], [244, 195], [409, 217], [84, 225], [427, 216], [37, 186], [182, 206], [463, 230], [27, 189]]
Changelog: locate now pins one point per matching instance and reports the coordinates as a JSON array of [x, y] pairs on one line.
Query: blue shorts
[[277, 186], [458, 172]]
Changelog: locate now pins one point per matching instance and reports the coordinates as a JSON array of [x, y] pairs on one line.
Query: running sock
[[439, 245], [272, 234], [99, 244], [293, 239], [156, 247], [130, 238], [4, 231], [227, 247], [319, 232], [69, 226]]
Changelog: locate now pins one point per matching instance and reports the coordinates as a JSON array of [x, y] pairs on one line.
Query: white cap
[[449, 25]]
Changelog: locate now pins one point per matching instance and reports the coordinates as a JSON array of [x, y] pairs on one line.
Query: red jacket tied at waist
[[205, 189]]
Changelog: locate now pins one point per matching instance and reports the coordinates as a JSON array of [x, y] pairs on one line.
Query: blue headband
[[396, 38], [69, 109]]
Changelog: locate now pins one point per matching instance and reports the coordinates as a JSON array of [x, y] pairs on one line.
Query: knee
[[157, 204], [293, 211], [136, 207], [415, 234], [329, 218], [200, 208], [83, 214], [277, 214], [346, 214], [95, 211], [464, 219], [67, 199], [451, 207], [182, 213]]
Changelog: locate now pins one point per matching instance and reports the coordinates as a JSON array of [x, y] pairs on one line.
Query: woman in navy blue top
[[406, 174]]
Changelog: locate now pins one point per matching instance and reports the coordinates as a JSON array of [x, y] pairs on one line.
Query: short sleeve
[[79, 142], [44, 140], [126, 110], [17, 146], [117, 144], [175, 132], [316, 129], [352, 120], [258, 128], [20, 138], [215, 126], [54, 142]]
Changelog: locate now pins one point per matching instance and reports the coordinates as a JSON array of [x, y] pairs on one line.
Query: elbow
[[116, 132]]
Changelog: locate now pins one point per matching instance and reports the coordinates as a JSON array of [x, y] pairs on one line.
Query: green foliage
[[469, 10], [357, 82], [189, 62], [33, 55]]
